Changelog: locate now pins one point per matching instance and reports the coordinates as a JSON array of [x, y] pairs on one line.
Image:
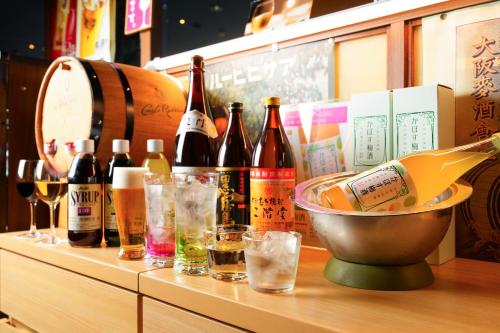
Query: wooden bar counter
[[58, 289]]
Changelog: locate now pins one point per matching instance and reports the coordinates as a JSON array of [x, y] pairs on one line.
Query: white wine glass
[[25, 184], [51, 185]]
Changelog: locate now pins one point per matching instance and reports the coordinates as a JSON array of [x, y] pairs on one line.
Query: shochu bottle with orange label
[[233, 165], [272, 176], [194, 148]]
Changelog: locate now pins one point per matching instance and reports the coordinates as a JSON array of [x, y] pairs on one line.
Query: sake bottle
[[410, 181], [272, 176]]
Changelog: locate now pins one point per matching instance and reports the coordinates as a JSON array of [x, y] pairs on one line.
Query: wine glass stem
[[33, 217], [53, 235]]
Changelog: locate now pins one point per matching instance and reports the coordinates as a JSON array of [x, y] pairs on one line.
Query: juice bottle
[[409, 181], [155, 161]]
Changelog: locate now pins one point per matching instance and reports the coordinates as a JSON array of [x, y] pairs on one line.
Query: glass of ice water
[[160, 217], [271, 260], [195, 209], [226, 260]]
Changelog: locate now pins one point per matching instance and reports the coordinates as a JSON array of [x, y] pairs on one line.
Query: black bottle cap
[[236, 106]]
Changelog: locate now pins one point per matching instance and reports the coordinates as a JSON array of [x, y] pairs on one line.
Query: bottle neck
[[272, 117], [490, 146], [196, 97]]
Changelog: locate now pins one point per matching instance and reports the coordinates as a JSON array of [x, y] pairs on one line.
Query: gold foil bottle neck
[[272, 101]]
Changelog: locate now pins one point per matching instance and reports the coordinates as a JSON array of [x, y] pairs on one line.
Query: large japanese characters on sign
[[477, 117], [478, 79]]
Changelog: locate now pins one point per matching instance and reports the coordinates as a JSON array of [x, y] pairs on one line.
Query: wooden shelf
[[464, 297], [98, 263]]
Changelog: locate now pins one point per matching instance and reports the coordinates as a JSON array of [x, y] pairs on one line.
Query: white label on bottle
[[198, 122], [109, 208], [386, 187], [84, 207]]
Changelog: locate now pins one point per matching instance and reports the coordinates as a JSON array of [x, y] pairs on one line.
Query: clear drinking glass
[[130, 210], [226, 260], [25, 183], [160, 216], [271, 260], [51, 185], [195, 207]]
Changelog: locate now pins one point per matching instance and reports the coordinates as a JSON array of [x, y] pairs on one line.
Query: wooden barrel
[[82, 99]]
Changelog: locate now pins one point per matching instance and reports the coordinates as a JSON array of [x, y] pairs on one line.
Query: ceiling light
[[182, 21]]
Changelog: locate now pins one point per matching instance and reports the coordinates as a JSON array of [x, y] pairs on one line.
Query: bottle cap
[[50, 148], [155, 146], [272, 101], [120, 146], [236, 106], [84, 146], [197, 61]]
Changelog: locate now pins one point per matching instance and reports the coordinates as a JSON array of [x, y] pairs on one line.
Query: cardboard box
[[370, 121], [424, 119]]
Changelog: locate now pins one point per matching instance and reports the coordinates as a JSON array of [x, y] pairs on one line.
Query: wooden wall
[[23, 79]]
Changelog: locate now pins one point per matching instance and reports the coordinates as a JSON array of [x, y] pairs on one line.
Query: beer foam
[[128, 177]]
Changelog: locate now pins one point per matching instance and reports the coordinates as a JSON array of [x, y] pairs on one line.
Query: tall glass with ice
[[195, 208], [160, 216], [130, 210], [271, 260]]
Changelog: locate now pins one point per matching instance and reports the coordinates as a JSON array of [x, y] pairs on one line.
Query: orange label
[[271, 198]]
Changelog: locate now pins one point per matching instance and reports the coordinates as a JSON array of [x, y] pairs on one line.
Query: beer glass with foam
[[130, 210]]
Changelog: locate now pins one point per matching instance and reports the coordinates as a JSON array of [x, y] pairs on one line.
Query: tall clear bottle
[[85, 197], [272, 176], [155, 161], [233, 165], [121, 158], [194, 141], [410, 181]]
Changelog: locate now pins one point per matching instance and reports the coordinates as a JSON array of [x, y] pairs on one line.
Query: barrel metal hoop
[[97, 101], [129, 100]]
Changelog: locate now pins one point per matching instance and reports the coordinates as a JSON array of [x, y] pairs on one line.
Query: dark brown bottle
[[272, 176], [85, 197], [120, 158], [194, 141], [233, 165]]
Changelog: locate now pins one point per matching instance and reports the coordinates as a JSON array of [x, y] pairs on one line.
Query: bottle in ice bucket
[[410, 181], [155, 161], [272, 176]]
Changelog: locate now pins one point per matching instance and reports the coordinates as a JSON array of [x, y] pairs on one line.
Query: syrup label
[[388, 187], [198, 122], [84, 207], [271, 198], [109, 208], [233, 198]]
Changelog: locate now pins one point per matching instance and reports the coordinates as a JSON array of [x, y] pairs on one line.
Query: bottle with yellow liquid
[[410, 181], [155, 161]]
